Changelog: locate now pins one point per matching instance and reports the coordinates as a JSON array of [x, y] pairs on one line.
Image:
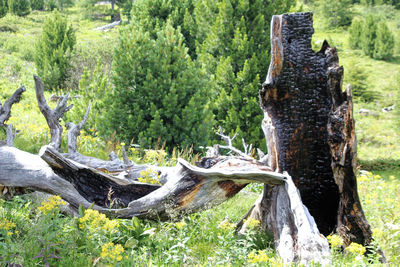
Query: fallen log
[[188, 188]]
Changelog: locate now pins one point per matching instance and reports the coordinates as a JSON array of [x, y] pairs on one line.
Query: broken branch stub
[[5, 109]]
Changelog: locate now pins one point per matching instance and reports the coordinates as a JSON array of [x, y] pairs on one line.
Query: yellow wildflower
[[256, 257], [356, 249], [180, 225], [53, 203], [335, 240], [6, 224], [377, 176], [377, 233], [111, 251], [252, 223], [9, 233], [226, 225], [149, 176], [97, 221]]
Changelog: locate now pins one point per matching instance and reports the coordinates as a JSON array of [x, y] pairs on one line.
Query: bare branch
[[127, 161], [5, 110], [52, 116], [74, 131], [228, 140]]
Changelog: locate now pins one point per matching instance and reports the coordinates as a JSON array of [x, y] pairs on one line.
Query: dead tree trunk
[[309, 128]]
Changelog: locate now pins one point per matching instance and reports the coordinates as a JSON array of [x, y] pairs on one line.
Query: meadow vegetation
[[34, 233]]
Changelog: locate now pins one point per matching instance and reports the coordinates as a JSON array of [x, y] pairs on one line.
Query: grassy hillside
[[32, 237]]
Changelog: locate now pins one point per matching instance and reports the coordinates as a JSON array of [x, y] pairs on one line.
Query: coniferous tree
[[336, 12], [53, 51], [3, 8], [19, 7], [234, 48], [229, 40], [355, 33], [37, 4], [356, 76], [368, 36], [384, 43], [160, 93]]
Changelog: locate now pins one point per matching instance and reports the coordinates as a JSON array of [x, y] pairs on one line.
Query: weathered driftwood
[[108, 26], [5, 109], [74, 130], [188, 188], [52, 116], [309, 130], [10, 135]]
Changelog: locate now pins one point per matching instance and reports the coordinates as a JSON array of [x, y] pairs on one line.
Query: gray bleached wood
[[52, 116], [5, 109], [74, 130], [10, 135], [188, 188]]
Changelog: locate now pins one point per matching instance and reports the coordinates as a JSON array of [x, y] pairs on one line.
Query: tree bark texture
[[309, 128]]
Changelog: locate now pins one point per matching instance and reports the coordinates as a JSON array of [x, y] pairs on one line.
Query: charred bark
[[309, 128]]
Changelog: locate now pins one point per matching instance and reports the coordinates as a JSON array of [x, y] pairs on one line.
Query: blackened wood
[[309, 127]]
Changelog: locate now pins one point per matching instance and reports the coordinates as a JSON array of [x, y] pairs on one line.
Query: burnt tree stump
[[309, 127]]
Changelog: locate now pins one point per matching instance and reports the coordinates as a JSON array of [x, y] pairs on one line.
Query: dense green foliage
[[92, 86], [368, 36], [229, 39], [357, 77], [355, 33], [373, 37], [160, 93], [384, 43], [3, 8], [337, 12], [54, 50], [37, 4], [19, 7]]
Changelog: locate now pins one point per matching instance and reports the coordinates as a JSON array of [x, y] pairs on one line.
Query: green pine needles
[[3, 8], [221, 48], [53, 51], [373, 37], [19, 7], [160, 94]]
